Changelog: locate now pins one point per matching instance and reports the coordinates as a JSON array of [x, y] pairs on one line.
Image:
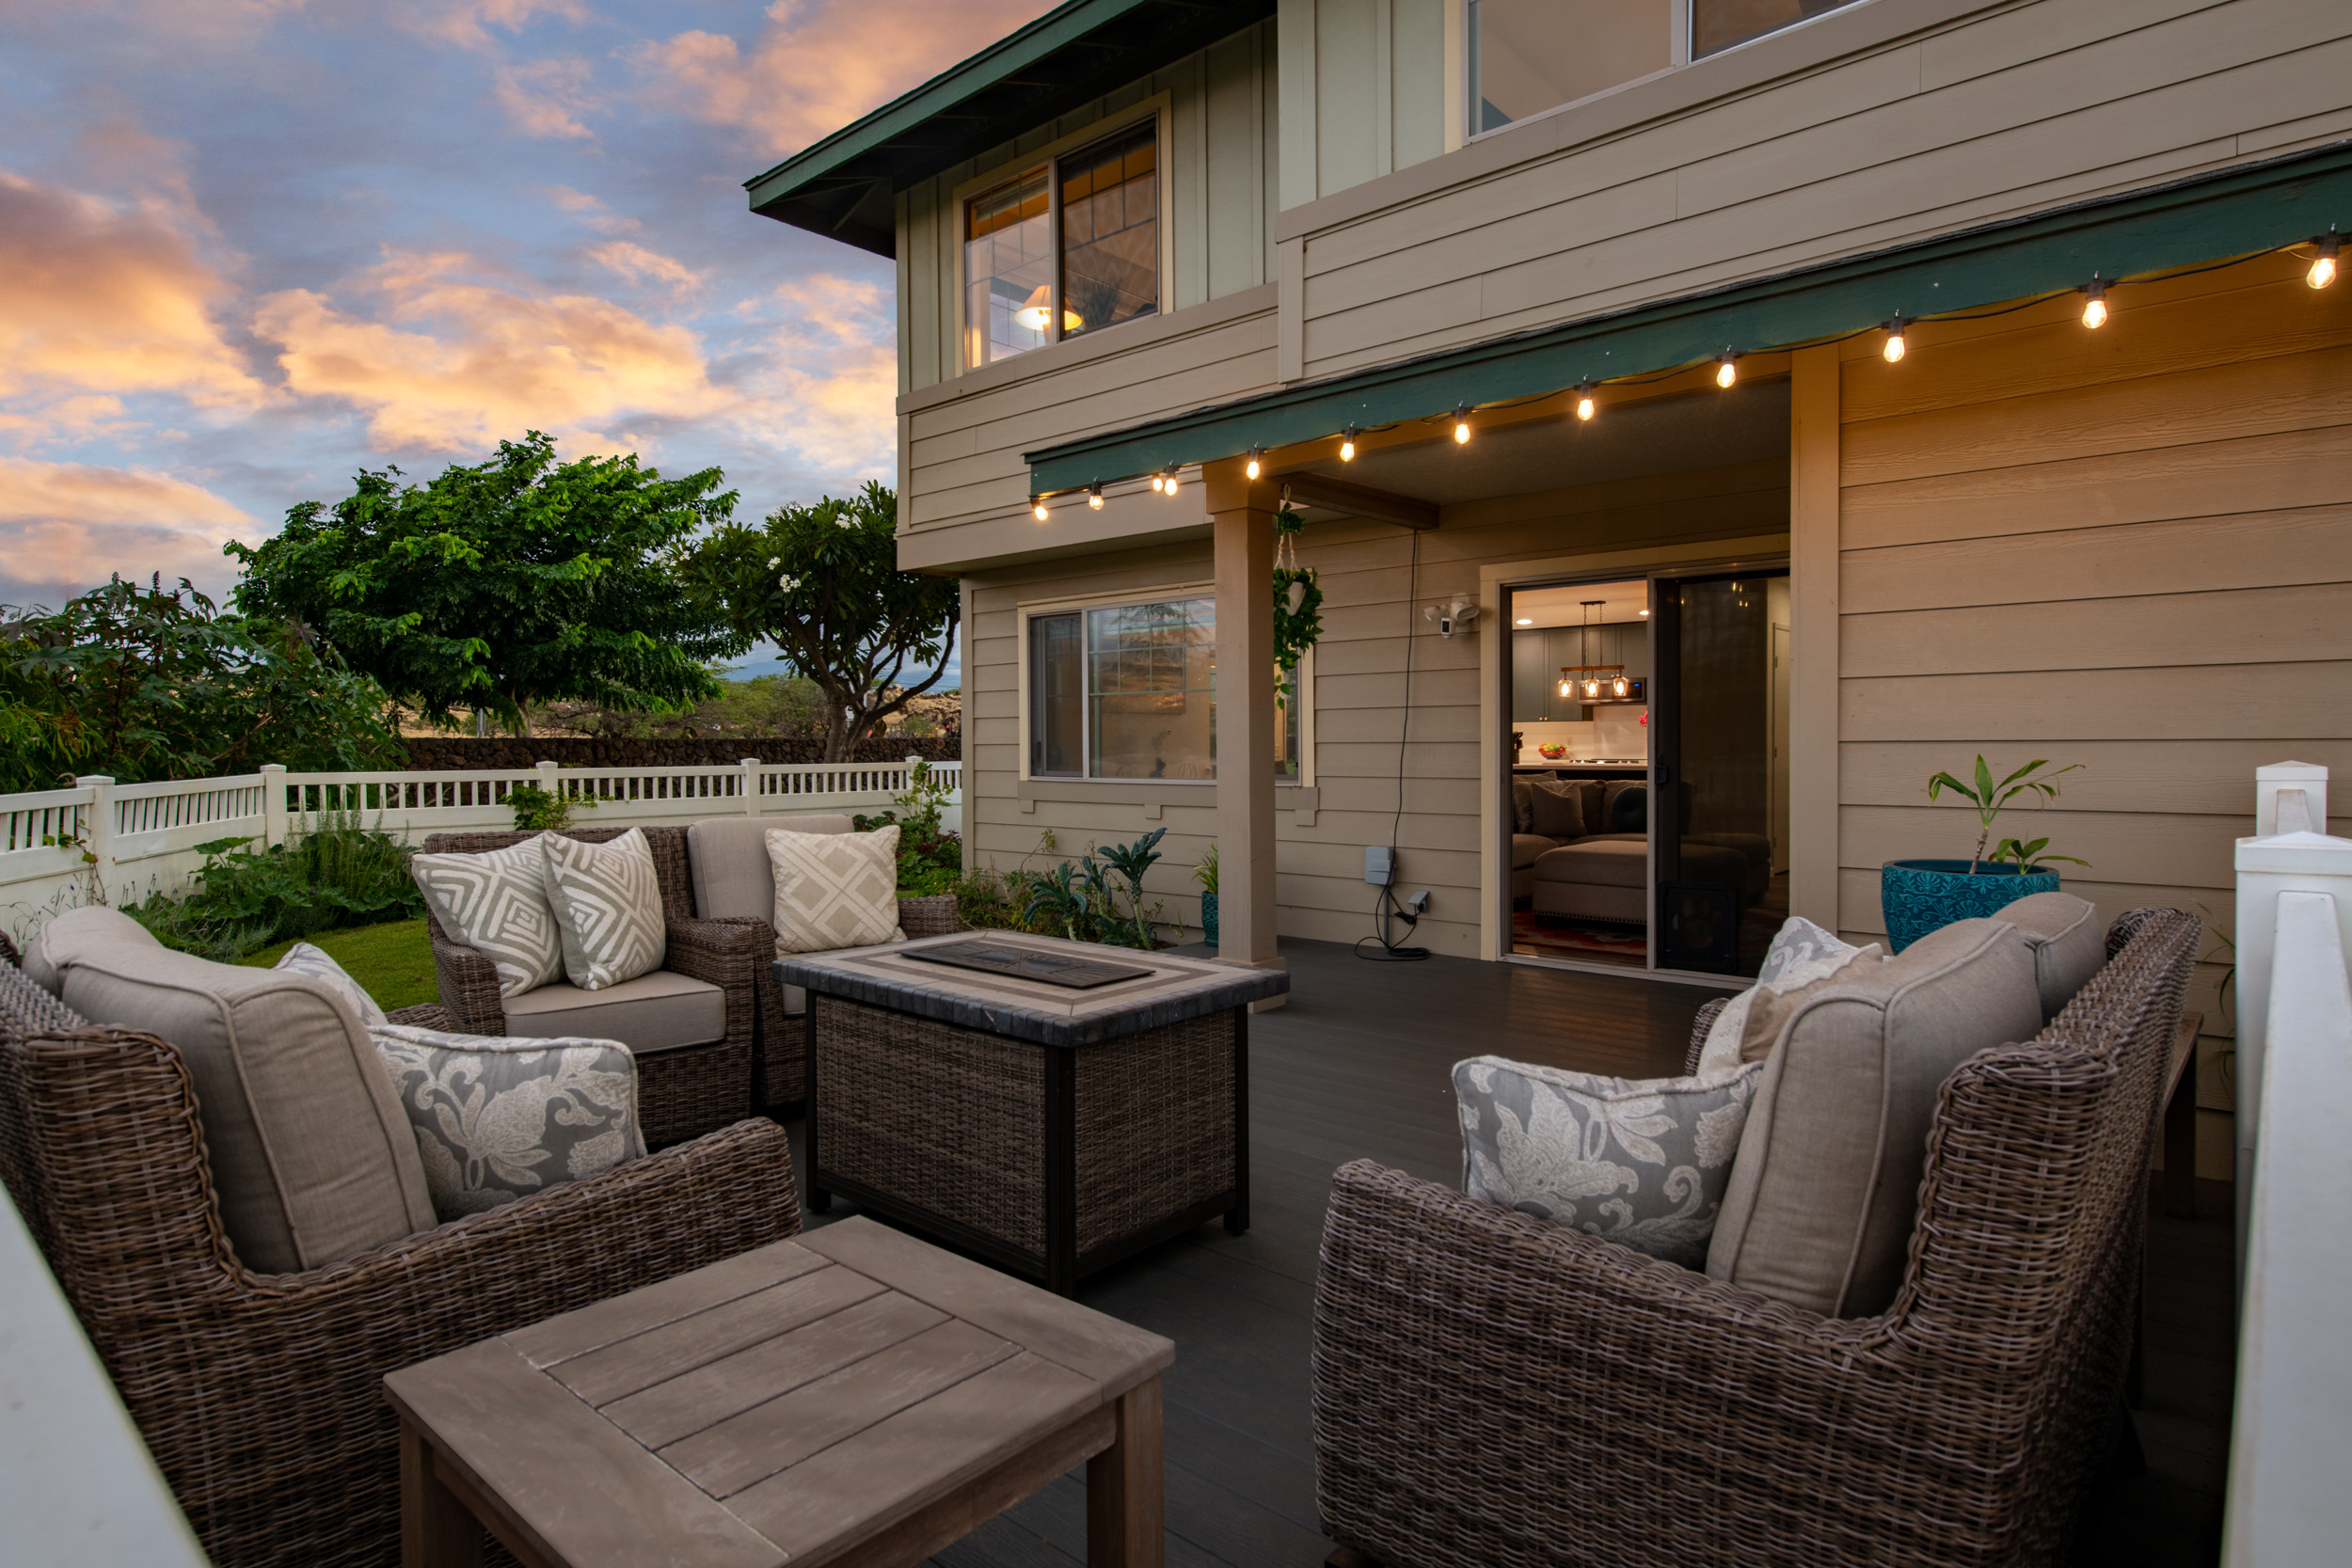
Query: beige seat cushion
[[660, 1012], [1824, 1190], [729, 856], [77, 931], [312, 1158], [2068, 945], [1527, 847]]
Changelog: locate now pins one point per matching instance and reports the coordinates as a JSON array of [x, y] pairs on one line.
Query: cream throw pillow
[[835, 890], [1802, 954], [496, 903], [608, 908]]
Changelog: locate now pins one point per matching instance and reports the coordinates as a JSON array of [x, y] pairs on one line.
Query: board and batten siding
[[2130, 548], [1221, 160], [1359, 679], [1877, 124]]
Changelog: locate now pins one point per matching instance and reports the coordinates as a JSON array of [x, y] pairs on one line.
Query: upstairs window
[[1067, 246], [1526, 56]]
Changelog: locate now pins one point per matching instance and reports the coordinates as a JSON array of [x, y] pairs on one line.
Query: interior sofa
[[1491, 1387], [249, 1261], [1605, 876]]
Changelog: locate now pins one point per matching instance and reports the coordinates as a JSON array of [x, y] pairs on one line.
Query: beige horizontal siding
[[2129, 548], [1972, 113]]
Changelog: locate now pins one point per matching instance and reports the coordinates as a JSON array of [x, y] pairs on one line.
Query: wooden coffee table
[[1050, 1130], [853, 1397]]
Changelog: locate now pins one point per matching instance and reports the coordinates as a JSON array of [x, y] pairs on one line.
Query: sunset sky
[[248, 246]]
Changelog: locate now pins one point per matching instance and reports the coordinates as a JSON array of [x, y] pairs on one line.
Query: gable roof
[[844, 187]]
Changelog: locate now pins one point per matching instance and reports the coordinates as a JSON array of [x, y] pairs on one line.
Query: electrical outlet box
[[1379, 864], [1419, 902]]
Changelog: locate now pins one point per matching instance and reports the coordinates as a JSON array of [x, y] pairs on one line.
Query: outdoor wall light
[[1585, 406], [1094, 495], [1347, 445], [1893, 349], [1451, 617], [1256, 465], [2322, 266], [1461, 424], [2095, 308], [1725, 374], [1037, 508]]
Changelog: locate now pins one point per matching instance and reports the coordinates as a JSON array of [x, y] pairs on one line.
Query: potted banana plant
[[1923, 896]]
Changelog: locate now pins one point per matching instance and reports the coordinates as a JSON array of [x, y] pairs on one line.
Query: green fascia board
[[2243, 212], [1008, 57]]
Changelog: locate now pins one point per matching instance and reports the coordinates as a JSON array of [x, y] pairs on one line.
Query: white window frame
[[1678, 59], [1156, 109], [1082, 603]]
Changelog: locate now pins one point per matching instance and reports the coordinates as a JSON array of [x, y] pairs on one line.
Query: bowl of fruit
[[1551, 751]]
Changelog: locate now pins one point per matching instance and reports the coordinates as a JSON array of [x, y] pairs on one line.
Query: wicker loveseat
[[683, 1091], [259, 1394], [1491, 1389]]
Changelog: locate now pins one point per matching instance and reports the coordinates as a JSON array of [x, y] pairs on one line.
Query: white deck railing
[[2287, 1501], [100, 841]]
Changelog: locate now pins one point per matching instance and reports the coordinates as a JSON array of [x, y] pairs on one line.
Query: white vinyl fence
[[118, 844], [2287, 1501]]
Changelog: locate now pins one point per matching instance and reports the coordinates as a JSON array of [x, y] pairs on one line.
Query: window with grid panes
[[1068, 246]]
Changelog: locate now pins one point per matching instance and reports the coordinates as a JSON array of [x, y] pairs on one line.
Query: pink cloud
[[639, 265], [65, 525], [454, 358], [829, 384], [547, 97], [466, 22], [819, 64], [98, 300]]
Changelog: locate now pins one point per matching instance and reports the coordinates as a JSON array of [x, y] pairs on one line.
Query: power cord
[[1385, 908]]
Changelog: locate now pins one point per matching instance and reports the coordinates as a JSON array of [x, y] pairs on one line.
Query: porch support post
[[1241, 522], [1813, 568]]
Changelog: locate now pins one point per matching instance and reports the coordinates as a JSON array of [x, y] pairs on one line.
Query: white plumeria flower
[[774, 561]]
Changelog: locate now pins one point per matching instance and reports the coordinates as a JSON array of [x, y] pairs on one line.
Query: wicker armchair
[[259, 1394], [1491, 1389], [681, 1093]]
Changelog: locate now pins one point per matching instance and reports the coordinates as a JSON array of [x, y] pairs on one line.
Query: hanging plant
[[1297, 597]]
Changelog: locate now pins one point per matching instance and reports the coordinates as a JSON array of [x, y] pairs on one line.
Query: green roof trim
[[844, 187], [2244, 211]]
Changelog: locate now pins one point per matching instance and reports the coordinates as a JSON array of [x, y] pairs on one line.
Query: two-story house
[[1808, 395]]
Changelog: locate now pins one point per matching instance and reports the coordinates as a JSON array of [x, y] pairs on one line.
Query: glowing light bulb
[[2095, 308], [1725, 372], [1094, 494], [2322, 266], [1585, 406], [1644, 614], [1621, 688], [1256, 465], [1893, 349], [1157, 480], [1592, 688], [1037, 508], [1567, 689], [1526, 620], [1168, 487], [1461, 424], [1347, 445]]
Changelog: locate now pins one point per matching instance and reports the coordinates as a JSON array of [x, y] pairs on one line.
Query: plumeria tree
[[821, 581]]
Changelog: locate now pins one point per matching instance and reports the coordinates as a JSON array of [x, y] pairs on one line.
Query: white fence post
[[97, 832], [2303, 858], [2286, 1501], [547, 776], [273, 804], [750, 786]]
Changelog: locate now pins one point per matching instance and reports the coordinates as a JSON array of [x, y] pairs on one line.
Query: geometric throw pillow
[[1642, 1162], [496, 903], [835, 890], [497, 1119], [608, 908], [303, 959]]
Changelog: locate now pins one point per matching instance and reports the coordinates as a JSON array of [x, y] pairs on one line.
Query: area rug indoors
[[1577, 941]]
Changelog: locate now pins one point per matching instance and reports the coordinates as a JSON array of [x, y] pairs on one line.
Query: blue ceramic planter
[[1208, 916], [1921, 897]]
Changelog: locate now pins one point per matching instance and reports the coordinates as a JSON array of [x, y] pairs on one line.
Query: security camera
[[1460, 613]]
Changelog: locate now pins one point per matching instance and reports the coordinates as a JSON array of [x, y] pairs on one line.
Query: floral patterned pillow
[[497, 1119], [1641, 1162]]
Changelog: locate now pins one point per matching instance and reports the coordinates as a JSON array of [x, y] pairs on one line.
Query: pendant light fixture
[[1589, 682]]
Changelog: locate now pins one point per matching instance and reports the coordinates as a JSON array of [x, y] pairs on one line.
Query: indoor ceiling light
[[1527, 620]]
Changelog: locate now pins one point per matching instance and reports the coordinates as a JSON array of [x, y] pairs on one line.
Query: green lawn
[[392, 962]]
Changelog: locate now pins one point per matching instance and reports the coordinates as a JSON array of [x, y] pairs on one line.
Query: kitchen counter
[[1569, 767]]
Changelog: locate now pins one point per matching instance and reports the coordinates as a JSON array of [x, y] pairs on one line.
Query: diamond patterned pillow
[[835, 890], [496, 903], [608, 908]]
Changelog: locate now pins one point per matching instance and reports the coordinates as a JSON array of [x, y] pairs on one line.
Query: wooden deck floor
[[1357, 1065]]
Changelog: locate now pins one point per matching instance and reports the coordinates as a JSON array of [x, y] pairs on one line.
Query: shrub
[[536, 808], [338, 874], [930, 859]]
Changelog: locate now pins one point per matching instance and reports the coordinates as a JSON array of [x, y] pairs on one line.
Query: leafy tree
[[144, 683], [503, 584], [823, 582]]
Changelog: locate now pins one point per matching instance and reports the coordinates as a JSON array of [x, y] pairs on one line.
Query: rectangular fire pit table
[[1052, 1131]]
